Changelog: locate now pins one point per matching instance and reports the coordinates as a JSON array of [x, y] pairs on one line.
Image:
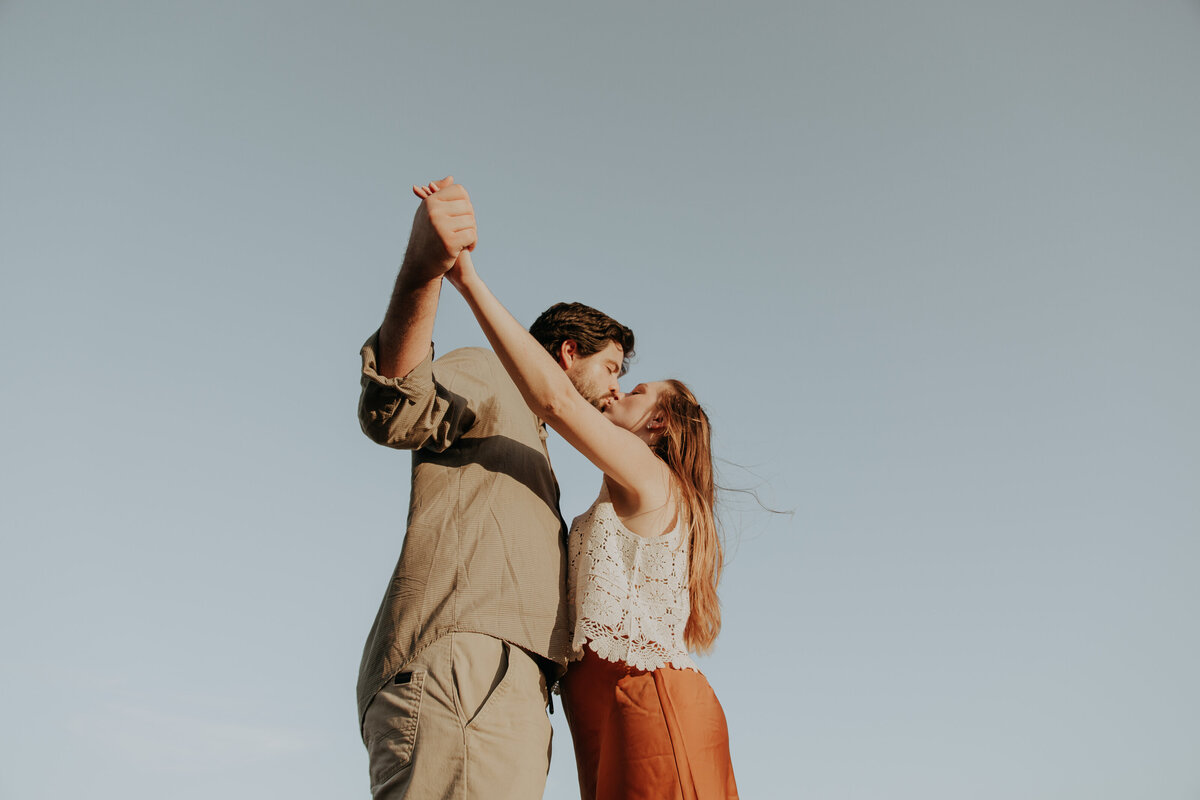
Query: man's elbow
[[376, 429], [380, 428]]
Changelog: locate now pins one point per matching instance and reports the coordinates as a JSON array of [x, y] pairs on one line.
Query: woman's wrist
[[467, 285]]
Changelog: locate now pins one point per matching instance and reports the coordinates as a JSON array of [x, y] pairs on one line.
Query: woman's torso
[[628, 594]]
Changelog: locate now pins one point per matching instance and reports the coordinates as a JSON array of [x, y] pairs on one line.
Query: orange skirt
[[646, 735]]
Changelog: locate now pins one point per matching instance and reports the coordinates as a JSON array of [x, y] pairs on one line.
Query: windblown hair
[[591, 330], [686, 446]]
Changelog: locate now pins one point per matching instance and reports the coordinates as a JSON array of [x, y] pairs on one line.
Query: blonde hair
[[686, 447]]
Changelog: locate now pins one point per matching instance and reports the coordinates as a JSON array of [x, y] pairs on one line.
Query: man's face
[[595, 376]]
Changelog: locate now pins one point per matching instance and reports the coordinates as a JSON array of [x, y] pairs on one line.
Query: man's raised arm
[[443, 227]]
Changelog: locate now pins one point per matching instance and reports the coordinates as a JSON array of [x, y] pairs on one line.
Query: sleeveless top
[[627, 594]]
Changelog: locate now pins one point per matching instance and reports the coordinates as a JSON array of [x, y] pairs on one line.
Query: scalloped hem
[[577, 651]]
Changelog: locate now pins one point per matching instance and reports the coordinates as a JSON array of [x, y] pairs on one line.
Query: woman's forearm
[[543, 383]]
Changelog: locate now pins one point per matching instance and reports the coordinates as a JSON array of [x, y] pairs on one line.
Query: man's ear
[[568, 351]]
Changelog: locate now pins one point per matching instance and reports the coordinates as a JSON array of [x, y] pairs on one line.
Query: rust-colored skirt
[[646, 735]]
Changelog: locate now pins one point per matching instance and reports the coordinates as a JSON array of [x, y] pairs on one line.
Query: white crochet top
[[628, 594]]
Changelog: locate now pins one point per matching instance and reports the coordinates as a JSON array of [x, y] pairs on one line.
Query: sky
[[932, 267]]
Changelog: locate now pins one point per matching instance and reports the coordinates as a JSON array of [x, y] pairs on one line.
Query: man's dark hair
[[591, 330]]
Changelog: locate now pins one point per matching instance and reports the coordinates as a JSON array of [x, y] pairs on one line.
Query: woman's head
[[641, 410], [666, 415]]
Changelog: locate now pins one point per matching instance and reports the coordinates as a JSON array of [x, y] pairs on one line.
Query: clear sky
[[933, 267]]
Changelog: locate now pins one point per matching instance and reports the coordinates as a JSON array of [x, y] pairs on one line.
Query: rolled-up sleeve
[[410, 412]]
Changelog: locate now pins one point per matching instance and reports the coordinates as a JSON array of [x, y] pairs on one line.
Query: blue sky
[[932, 267]]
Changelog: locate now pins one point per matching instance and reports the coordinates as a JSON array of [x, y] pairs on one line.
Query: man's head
[[591, 346]]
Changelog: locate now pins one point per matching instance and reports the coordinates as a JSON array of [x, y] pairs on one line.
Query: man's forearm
[[407, 330], [443, 226]]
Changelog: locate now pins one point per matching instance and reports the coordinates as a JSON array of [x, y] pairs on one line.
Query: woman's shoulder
[[602, 514]]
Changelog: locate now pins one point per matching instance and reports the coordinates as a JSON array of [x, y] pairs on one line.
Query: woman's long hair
[[686, 446]]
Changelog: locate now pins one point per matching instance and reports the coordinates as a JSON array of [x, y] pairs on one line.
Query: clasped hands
[[443, 232]]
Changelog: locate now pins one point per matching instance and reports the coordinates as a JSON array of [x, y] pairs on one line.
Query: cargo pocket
[[390, 725]]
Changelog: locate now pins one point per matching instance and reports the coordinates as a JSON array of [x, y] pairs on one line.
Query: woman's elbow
[[553, 406]]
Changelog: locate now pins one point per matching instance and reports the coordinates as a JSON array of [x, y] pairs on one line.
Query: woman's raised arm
[[639, 475]]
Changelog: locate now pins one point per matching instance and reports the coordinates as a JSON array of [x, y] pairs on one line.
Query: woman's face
[[639, 410]]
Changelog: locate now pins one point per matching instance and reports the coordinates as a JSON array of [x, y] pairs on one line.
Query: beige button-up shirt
[[484, 547]]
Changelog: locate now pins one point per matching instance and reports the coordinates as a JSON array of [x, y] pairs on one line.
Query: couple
[[492, 601]]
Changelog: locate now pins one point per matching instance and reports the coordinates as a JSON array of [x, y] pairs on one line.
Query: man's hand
[[463, 269], [443, 227]]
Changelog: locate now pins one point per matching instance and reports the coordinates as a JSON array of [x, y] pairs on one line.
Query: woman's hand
[[423, 192]]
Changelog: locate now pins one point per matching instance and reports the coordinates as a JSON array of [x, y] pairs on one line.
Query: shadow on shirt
[[502, 455]]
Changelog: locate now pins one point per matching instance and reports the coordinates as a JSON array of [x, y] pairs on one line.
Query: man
[[452, 691]]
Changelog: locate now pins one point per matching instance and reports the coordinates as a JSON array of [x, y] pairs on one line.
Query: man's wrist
[[415, 275]]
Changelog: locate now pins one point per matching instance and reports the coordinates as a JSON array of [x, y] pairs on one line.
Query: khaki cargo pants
[[466, 719]]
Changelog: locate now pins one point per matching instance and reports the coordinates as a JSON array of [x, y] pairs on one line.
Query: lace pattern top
[[628, 594]]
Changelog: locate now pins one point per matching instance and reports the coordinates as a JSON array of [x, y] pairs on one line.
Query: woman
[[644, 562]]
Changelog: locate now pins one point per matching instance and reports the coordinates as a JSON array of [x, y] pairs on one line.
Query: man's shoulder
[[476, 377], [474, 371], [477, 364], [468, 355], [479, 374]]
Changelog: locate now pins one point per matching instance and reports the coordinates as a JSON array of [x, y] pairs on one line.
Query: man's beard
[[591, 391]]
